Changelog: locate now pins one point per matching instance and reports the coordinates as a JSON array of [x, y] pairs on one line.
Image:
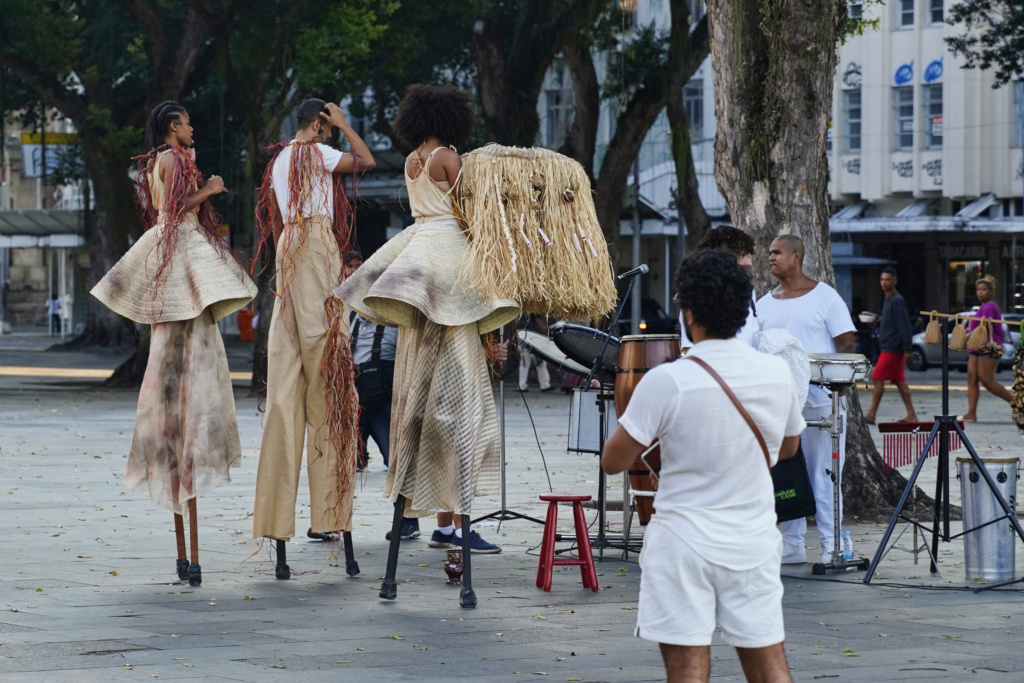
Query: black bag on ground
[[794, 497], [375, 377]]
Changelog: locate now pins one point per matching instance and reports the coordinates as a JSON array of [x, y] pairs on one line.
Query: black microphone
[[639, 270]]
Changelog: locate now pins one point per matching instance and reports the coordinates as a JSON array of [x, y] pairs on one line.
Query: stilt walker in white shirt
[[817, 316]]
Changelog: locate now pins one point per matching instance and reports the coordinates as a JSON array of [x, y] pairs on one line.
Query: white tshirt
[[745, 334], [715, 490], [322, 201], [815, 319]]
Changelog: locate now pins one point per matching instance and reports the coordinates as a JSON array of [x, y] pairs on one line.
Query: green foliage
[[851, 26], [993, 36], [327, 50]]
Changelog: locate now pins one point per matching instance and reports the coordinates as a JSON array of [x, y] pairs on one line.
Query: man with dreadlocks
[[303, 209], [180, 278]]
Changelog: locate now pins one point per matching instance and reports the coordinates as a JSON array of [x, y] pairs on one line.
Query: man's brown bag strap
[[739, 406]]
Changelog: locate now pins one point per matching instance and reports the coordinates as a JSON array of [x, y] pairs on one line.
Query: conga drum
[[639, 353]]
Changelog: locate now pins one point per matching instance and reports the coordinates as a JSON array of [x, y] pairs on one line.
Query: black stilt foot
[[182, 568], [195, 574], [467, 598], [282, 570], [388, 589], [351, 566]]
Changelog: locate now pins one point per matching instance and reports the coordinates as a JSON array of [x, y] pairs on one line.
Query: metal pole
[[501, 415], [635, 302], [62, 291]]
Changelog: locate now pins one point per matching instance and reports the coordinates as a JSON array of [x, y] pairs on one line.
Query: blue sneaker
[[410, 529], [439, 539], [478, 545]]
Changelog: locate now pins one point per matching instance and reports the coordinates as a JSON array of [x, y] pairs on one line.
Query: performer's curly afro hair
[[441, 111], [716, 290], [727, 238]]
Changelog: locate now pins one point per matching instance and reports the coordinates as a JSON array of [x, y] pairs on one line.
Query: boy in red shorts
[[894, 340]]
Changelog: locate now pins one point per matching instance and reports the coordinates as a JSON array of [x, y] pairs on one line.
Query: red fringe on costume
[[340, 401], [186, 179], [336, 366], [300, 185]]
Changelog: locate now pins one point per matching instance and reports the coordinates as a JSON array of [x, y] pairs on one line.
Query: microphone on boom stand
[[639, 270]]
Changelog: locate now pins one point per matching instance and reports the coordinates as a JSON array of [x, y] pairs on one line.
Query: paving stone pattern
[[89, 591]]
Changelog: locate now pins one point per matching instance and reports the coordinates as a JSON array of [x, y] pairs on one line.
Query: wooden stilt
[[179, 535], [195, 572]]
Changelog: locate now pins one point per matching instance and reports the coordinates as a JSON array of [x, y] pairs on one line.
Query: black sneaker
[[326, 536], [439, 539], [410, 529], [477, 544]]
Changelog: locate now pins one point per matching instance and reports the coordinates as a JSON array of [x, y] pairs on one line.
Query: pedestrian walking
[[895, 335], [981, 370]]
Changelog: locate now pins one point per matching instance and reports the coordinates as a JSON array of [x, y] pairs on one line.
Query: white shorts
[[683, 597]]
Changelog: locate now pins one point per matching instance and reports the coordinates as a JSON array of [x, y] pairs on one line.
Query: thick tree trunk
[[111, 223], [774, 64]]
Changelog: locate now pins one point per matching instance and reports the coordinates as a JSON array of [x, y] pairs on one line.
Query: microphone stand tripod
[[504, 513], [602, 542]]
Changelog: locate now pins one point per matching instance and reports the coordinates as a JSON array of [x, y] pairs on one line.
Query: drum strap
[[739, 406]]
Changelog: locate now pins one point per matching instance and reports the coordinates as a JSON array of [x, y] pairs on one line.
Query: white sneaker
[[793, 553], [383, 467], [826, 553]]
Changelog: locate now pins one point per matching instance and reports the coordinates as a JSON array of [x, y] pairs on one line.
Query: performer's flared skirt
[[444, 428], [186, 433], [149, 286]]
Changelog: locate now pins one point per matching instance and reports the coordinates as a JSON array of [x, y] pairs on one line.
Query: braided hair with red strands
[[185, 180]]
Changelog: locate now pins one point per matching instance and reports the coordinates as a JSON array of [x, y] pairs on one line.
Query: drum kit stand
[[836, 372], [944, 424]]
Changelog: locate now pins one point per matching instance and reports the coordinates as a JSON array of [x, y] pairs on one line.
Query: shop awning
[[41, 228], [928, 224], [975, 208]]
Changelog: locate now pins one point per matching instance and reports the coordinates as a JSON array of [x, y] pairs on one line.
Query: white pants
[[817, 447], [543, 376]]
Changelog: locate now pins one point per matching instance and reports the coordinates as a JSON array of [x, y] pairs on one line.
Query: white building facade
[[925, 163]]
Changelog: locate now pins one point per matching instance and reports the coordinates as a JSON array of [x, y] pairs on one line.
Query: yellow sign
[[51, 139]]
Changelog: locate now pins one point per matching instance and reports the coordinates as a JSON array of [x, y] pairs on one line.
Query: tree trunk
[[687, 49], [111, 222], [688, 204], [774, 64]]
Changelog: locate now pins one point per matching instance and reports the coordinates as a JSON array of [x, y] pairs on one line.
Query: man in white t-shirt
[[711, 552], [817, 316], [309, 217]]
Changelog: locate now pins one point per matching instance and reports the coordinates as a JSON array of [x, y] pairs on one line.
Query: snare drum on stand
[[639, 353]]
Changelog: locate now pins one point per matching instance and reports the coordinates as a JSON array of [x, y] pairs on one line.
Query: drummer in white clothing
[[817, 316]]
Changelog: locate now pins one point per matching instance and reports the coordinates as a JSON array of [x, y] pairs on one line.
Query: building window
[[1018, 102], [906, 10], [693, 102], [560, 104], [936, 11], [903, 108], [851, 119], [932, 106], [854, 9]]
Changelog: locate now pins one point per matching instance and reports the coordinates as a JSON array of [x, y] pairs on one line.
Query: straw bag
[[958, 337], [980, 336], [933, 333]]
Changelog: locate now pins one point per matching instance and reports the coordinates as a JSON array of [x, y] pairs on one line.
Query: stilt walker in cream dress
[[310, 385], [180, 278], [444, 429]]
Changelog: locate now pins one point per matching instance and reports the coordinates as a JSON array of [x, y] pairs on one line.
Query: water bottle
[[847, 546]]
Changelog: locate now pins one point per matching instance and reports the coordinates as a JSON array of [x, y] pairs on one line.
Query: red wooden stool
[[547, 546]]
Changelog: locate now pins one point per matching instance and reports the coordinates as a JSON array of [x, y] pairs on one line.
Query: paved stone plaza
[[89, 585]]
